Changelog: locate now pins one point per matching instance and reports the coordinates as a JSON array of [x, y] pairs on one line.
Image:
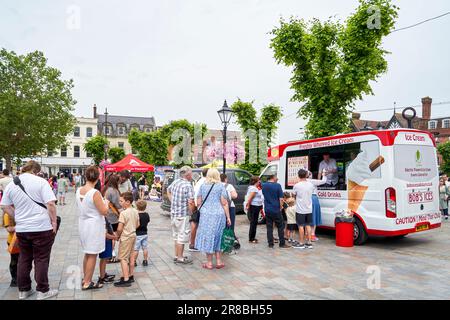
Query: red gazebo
[[130, 163]]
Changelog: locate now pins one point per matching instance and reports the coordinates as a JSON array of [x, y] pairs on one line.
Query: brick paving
[[417, 267]]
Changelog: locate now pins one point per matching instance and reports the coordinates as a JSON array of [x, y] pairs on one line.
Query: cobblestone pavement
[[417, 267]]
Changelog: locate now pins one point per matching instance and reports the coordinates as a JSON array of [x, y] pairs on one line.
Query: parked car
[[239, 178]]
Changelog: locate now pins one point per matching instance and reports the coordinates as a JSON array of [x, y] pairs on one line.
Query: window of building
[[89, 132], [120, 144], [63, 152], [76, 132], [88, 154], [49, 154], [432, 125], [135, 126], [446, 124], [76, 151], [107, 129], [121, 130], [147, 129]]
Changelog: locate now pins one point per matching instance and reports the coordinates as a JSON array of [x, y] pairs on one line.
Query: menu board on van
[[294, 164]]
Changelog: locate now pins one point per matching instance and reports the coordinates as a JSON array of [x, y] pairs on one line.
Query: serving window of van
[[338, 160]]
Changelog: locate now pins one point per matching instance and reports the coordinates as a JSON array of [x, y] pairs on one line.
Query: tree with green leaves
[[444, 151], [333, 63], [96, 147], [35, 106], [116, 154], [151, 146], [248, 120]]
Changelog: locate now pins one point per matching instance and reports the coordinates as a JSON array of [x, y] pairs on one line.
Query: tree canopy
[[444, 150], [248, 120], [334, 63], [35, 106], [116, 154], [96, 147]]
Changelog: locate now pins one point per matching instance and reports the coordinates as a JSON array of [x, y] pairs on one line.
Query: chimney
[[356, 116], [426, 108], [95, 111]]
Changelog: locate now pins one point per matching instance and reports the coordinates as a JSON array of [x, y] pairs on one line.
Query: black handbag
[[196, 215]]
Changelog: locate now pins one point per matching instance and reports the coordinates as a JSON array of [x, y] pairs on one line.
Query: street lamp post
[[105, 127], [225, 116]]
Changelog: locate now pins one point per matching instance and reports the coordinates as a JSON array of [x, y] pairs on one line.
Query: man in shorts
[[181, 196]]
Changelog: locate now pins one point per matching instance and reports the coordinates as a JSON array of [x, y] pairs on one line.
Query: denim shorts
[[141, 242]]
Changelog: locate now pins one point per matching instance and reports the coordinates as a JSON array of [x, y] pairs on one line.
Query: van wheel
[[359, 233]]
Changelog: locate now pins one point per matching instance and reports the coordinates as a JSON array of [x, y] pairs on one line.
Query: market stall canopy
[[130, 163]]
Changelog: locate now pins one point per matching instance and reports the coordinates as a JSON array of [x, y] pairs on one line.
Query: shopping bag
[[227, 240], [13, 247]]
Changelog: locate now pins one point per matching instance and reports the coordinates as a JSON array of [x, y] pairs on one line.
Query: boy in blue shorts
[[141, 234]]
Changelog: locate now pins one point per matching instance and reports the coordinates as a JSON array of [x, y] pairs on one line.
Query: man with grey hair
[[181, 196]]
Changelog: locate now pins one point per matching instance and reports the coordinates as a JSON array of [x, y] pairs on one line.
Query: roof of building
[[127, 120]]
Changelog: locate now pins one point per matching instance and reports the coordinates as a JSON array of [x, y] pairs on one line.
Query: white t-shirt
[[332, 178], [4, 182], [197, 188], [258, 198], [29, 216], [126, 186], [304, 191], [230, 189]]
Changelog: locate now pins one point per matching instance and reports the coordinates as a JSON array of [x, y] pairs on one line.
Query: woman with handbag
[[213, 207], [112, 194], [444, 194]]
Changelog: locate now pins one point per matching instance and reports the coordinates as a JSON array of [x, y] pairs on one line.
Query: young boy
[[291, 220], [304, 190], [9, 224], [141, 234], [126, 232]]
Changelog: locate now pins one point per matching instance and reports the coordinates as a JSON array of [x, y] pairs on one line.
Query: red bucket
[[344, 234]]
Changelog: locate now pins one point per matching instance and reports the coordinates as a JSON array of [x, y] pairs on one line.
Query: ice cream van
[[388, 178]]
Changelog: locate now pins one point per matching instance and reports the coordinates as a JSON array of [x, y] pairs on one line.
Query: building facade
[[71, 159], [117, 128]]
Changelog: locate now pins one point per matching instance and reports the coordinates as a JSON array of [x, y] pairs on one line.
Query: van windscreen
[[414, 163]]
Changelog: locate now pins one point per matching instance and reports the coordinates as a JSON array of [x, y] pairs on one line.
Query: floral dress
[[212, 219]]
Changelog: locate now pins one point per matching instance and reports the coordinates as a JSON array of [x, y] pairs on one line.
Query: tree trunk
[[8, 162]]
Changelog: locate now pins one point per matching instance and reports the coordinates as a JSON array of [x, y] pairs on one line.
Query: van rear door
[[416, 176]]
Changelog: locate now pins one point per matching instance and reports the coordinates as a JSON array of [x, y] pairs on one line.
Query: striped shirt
[[182, 191]]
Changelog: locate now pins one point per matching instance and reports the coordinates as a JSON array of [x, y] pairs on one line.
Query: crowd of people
[[113, 219]]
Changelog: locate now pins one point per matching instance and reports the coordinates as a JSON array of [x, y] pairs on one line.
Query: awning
[[130, 163]]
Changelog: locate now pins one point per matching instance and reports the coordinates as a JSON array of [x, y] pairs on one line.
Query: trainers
[[285, 246], [122, 283], [185, 260], [192, 249], [46, 295], [314, 239], [131, 279], [309, 246], [298, 246], [13, 283], [25, 294], [270, 246], [145, 263]]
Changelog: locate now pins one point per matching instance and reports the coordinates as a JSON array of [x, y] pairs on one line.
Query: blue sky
[[180, 59]]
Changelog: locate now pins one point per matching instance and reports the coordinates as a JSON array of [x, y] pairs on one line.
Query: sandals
[[206, 266], [106, 279], [220, 266], [113, 260], [93, 286]]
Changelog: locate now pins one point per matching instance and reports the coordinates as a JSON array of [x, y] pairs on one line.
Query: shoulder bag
[[196, 215]]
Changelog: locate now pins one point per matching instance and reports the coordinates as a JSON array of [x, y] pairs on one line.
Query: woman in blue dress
[[214, 216]]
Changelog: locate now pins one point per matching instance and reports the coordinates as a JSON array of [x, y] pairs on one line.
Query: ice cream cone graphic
[[358, 171]]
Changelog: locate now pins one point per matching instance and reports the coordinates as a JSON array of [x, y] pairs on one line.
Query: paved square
[[417, 267]]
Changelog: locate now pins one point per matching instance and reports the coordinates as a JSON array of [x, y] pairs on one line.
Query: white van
[[388, 178]]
